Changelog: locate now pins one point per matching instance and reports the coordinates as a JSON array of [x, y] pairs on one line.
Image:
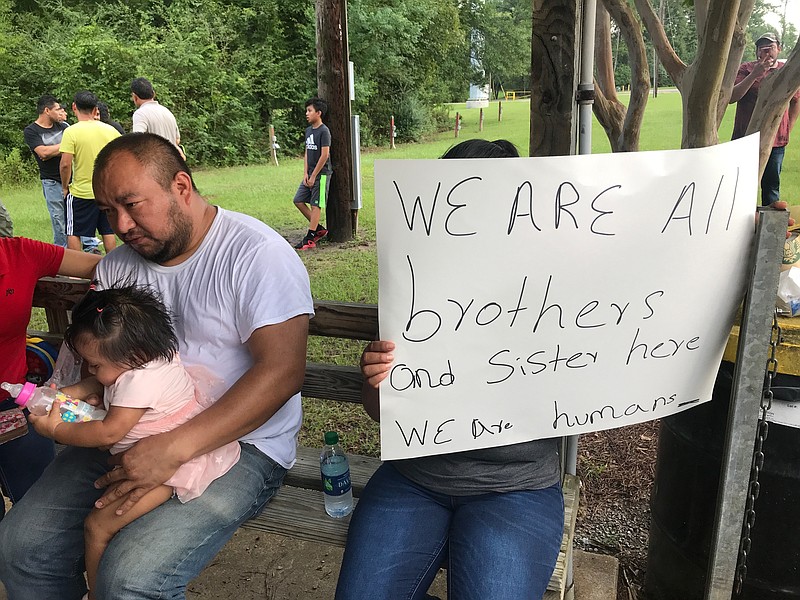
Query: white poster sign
[[541, 297]]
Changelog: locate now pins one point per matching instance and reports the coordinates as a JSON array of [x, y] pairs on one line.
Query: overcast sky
[[792, 14]]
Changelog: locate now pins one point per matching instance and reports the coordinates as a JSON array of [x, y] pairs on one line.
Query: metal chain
[[758, 456]]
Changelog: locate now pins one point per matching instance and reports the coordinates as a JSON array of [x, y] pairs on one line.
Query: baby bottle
[[39, 400]]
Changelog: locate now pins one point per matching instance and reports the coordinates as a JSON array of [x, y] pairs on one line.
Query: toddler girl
[[125, 336]]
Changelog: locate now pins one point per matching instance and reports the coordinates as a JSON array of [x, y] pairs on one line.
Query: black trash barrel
[[683, 502]]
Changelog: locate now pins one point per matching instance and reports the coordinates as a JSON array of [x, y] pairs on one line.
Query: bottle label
[[336, 485]]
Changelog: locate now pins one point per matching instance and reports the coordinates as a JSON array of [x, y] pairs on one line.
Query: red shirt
[[747, 103], [22, 263]]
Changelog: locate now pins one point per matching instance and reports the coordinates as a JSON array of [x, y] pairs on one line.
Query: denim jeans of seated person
[[501, 546], [41, 539]]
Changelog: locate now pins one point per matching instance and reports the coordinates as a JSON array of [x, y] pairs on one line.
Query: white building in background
[[478, 94]]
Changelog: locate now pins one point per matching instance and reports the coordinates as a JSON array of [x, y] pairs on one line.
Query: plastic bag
[[67, 370], [789, 293]]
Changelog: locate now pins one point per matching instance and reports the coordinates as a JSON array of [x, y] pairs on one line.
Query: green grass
[[348, 272]]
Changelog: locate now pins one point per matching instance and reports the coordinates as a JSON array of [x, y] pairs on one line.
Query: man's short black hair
[[143, 88], [319, 105], [46, 101], [85, 101], [157, 154]]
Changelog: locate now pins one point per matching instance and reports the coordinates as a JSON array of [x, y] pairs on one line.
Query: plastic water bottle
[[39, 400], [335, 478]]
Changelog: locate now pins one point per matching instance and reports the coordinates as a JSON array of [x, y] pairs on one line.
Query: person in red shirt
[[22, 263], [745, 94]]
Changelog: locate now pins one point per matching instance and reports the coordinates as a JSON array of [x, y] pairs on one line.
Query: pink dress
[[171, 396]]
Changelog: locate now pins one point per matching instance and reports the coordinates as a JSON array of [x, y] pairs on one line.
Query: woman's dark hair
[[130, 323], [482, 149]]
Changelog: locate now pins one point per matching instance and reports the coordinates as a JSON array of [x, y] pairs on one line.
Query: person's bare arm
[[47, 152], [78, 264], [376, 363], [90, 434], [65, 169], [279, 359], [741, 88]]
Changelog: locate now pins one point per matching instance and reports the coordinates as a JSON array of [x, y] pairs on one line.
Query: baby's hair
[[130, 323]]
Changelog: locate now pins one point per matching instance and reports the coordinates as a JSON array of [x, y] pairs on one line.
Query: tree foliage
[[229, 69]]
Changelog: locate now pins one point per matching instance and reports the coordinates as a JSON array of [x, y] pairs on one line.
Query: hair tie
[[99, 309]]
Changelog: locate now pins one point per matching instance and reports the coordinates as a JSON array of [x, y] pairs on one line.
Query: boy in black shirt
[[313, 191]]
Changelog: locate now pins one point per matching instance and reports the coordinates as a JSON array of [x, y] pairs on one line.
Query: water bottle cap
[[25, 394], [331, 438]]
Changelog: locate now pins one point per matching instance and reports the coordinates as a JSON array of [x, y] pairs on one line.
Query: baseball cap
[[768, 37]]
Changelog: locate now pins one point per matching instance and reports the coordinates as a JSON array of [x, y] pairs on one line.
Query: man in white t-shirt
[[150, 116], [243, 315]]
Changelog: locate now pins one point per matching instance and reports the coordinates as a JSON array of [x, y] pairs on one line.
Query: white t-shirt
[[243, 276], [153, 118]]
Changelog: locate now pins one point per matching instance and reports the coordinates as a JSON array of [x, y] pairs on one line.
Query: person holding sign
[[495, 514]]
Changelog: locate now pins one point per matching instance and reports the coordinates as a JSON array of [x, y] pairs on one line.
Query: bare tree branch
[[629, 28], [703, 78], [603, 58], [611, 115], [700, 13], [666, 54], [738, 43]]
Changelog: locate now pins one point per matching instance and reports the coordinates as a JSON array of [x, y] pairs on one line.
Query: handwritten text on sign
[[540, 297]]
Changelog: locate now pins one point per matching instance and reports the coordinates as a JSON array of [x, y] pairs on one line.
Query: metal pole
[[586, 85], [748, 381], [585, 99]]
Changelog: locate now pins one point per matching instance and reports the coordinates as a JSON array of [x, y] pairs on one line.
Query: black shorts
[[84, 217], [316, 195]]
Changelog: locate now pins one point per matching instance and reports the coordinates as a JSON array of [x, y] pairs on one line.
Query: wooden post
[[499, 111], [391, 133], [333, 82], [458, 124], [480, 121], [554, 77], [273, 144]]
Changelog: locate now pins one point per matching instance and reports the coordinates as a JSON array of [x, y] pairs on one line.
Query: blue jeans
[[501, 546], [771, 179], [41, 539], [58, 215], [55, 206], [22, 461]]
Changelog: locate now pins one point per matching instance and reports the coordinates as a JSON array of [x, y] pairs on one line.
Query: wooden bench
[[297, 510]]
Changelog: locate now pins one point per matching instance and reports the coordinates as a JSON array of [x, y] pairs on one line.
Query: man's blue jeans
[[55, 206], [501, 546], [41, 538], [771, 179]]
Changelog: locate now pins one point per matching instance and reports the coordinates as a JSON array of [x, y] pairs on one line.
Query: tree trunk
[[554, 77], [703, 79], [610, 112], [333, 84]]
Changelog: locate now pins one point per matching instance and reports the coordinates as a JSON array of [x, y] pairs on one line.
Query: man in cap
[[745, 94]]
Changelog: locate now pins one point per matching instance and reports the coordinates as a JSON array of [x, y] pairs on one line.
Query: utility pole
[[655, 54], [554, 77], [333, 57]]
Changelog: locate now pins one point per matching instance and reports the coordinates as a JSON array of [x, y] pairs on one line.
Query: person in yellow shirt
[[80, 145]]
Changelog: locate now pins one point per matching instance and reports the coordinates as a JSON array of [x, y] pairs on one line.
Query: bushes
[[14, 171]]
